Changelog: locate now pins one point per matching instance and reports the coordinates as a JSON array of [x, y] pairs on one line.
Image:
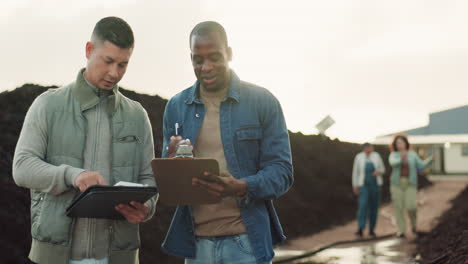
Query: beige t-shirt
[[221, 219]]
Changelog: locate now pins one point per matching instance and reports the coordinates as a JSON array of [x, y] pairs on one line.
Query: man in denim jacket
[[242, 126]]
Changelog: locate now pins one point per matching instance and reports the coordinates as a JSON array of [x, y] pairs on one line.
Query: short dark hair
[[367, 144], [206, 27], [114, 30], [393, 146]]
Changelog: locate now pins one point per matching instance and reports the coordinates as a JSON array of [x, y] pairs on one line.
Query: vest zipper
[[111, 237], [91, 230], [98, 111], [111, 226], [88, 224]]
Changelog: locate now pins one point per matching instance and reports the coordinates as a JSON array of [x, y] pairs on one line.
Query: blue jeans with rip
[[223, 250]]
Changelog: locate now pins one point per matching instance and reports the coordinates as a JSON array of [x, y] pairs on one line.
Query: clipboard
[[99, 201], [174, 180]]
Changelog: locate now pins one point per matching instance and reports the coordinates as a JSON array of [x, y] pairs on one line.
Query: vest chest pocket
[[125, 151]]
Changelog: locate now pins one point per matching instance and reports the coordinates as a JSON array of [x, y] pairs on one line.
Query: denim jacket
[[257, 150]]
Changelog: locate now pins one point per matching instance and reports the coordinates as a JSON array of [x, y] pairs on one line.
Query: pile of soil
[[447, 243], [320, 198]]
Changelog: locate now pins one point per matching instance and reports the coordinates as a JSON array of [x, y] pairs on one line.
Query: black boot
[[359, 233]]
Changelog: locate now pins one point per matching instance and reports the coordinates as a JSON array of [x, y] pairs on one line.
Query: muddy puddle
[[390, 251]]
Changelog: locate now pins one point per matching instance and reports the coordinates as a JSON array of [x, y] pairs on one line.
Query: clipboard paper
[[174, 180]]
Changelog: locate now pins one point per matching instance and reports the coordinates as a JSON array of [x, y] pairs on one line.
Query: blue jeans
[[90, 261], [223, 250], [369, 201]]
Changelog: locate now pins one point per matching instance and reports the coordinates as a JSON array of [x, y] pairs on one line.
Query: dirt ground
[[432, 203], [447, 243]]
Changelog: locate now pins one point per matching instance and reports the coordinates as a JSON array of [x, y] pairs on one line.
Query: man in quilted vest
[[79, 135]]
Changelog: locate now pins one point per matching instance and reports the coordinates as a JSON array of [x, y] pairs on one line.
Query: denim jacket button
[[197, 115]]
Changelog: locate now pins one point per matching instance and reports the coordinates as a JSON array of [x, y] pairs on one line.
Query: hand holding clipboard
[[191, 181]]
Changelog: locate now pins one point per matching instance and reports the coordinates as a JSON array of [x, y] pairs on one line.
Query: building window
[[464, 150]]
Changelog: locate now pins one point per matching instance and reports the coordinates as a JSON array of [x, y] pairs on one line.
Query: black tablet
[[99, 201]]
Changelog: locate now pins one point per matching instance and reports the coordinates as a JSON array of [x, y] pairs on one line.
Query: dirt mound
[[320, 198], [15, 223], [447, 243]]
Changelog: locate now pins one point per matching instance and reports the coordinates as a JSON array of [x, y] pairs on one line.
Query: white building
[[446, 136]]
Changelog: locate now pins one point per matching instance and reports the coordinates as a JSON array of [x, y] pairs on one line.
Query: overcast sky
[[375, 66]]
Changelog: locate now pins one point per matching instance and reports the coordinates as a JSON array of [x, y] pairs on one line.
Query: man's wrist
[[242, 192], [71, 177]]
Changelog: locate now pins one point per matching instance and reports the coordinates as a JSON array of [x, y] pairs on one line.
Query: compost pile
[[447, 243]]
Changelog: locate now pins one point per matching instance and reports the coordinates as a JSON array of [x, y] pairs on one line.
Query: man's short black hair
[[367, 144], [206, 27], [114, 30]]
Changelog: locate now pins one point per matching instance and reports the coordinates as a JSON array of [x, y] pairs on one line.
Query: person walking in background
[[368, 169], [404, 181]]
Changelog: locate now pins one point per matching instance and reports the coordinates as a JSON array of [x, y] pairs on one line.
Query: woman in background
[[368, 169], [404, 181]]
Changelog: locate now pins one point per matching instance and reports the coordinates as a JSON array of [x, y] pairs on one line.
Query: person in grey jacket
[[368, 169], [79, 135]]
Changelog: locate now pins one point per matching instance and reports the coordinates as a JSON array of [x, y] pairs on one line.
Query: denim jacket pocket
[[249, 133], [248, 146]]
